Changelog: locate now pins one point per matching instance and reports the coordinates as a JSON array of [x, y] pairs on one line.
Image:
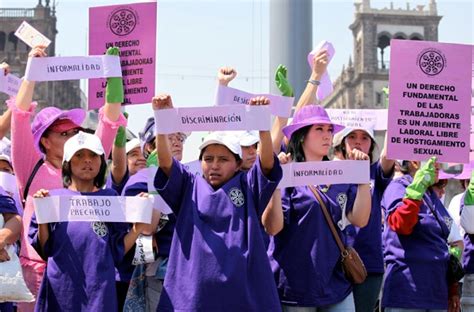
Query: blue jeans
[[367, 293], [346, 305]]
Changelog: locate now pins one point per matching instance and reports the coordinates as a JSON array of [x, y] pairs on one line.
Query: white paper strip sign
[[8, 183], [31, 36], [9, 84], [68, 208], [279, 105], [325, 172], [214, 118], [72, 67], [375, 119]]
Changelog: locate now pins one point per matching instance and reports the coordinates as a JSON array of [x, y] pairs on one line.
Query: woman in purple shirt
[[304, 256], [217, 259], [367, 241], [416, 243]]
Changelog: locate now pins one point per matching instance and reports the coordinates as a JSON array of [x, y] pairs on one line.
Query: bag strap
[[433, 211], [30, 179], [328, 220]]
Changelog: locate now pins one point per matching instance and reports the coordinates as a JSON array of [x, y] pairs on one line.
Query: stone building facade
[[63, 94], [362, 80]]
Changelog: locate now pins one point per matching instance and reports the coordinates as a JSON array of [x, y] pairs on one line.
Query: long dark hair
[[295, 145], [99, 180]]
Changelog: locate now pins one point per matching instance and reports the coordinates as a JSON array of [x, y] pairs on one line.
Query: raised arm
[[225, 75], [265, 149], [286, 89], [165, 159], [320, 63], [386, 164], [359, 216], [119, 156], [113, 92], [25, 93]]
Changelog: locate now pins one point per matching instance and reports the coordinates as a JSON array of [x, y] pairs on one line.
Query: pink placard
[[132, 28], [430, 101]]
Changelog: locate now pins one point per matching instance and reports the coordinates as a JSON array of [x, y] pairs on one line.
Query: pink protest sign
[[131, 28], [430, 101]]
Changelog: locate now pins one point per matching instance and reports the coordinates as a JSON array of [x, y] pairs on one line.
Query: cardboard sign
[[131, 28], [31, 36], [430, 101], [375, 119]]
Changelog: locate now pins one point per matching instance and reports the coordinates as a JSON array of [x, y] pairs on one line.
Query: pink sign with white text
[[430, 101], [131, 28]]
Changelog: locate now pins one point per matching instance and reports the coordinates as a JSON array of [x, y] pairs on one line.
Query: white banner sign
[[279, 105], [72, 67], [69, 208], [228, 117], [325, 172], [31, 36], [9, 84], [375, 119]]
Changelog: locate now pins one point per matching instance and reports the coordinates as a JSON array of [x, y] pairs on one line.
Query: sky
[[195, 38]]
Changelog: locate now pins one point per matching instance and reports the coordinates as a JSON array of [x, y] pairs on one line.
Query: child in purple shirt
[[217, 260], [80, 256]]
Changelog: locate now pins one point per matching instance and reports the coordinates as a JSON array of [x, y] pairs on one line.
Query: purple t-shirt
[[80, 257], [118, 187], [164, 236], [217, 260], [415, 277], [304, 256], [7, 205], [368, 240]]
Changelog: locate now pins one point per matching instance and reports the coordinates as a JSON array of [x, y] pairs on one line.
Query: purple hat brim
[[76, 115], [290, 129]]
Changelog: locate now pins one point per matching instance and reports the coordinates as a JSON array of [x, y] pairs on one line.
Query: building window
[[3, 38], [13, 41], [378, 98]]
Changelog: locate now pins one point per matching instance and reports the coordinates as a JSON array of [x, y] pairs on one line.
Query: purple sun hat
[[307, 116], [47, 116]]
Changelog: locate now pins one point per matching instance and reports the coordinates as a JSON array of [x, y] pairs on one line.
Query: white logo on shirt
[[237, 197], [99, 228], [448, 222], [342, 200]]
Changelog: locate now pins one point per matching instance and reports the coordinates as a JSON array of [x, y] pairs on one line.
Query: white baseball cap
[[82, 140], [5, 150], [133, 143], [248, 138], [230, 141], [338, 137]]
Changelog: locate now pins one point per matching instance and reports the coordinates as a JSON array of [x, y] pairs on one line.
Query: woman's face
[[85, 166], [358, 139], [53, 142], [317, 141], [135, 160], [218, 165]]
